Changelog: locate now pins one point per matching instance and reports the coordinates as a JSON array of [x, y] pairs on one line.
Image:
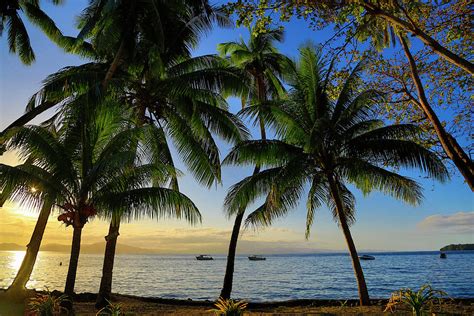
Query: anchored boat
[[204, 257], [366, 257], [256, 258]]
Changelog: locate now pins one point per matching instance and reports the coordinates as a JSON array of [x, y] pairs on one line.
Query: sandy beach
[[135, 305]]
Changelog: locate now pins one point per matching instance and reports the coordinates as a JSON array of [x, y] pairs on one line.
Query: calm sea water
[[280, 277]]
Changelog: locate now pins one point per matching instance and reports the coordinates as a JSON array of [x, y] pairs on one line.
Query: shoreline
[[139, 305], [84, 297]]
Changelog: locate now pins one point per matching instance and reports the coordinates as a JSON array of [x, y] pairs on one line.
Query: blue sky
[[446, 215]]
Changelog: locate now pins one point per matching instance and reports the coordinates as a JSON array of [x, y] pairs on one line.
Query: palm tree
[[32, 186], [327, 143], [261, 63], [101, 175], [18, 39], [179, 95]]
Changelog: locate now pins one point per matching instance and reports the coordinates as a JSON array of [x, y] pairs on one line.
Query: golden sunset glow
[[17, 257], [236, 157]]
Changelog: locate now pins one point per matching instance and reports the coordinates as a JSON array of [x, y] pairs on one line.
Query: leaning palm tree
[[327, 143], [18, 39], [262, 65], [32, 186]]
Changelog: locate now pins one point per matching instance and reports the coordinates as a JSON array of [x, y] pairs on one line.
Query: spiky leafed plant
[[18, 39], [327, 143], [91, 167], [262, 65], [228, 307]]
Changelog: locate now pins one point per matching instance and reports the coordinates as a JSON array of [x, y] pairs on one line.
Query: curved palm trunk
[[107, 269], [23, 275], [73, 262], [229, 270], [120, 54], [364, 298], [450, 146]]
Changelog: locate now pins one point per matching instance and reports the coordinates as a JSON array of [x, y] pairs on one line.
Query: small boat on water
[[366, 257], [256, 258], [443, 255], [204, 257]]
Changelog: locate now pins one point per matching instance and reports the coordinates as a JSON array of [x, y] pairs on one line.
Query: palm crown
[[102, 176], [260, 62], [323, 138]]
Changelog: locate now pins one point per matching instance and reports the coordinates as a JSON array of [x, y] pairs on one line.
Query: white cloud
[[461, 223]]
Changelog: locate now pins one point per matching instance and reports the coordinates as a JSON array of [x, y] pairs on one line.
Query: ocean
[[280, 277]]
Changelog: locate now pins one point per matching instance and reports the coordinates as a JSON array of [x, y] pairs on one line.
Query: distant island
[[86, 248], [458, 247]]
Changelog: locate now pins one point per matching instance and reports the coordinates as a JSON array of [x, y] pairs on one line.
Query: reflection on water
[[15, 259], [277, 278]]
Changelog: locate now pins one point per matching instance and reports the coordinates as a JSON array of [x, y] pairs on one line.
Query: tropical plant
[[262, 65], [178, 94], [228, 307], [94, 169], [328, 143], [112, 310], [418, 301], [18, 39], [148, 67], [383, 22], [365, 19], [46, 305]]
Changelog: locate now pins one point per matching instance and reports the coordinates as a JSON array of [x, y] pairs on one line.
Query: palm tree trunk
[[120, 54], [32, 249], [73, 262], [107, 269], [450, 146], [364, 298], [28, 116], [229, 271]]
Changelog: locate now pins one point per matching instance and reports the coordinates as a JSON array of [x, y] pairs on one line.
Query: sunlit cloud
[[460, 223]]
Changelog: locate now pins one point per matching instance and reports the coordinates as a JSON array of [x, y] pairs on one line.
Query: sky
[[383, 224]]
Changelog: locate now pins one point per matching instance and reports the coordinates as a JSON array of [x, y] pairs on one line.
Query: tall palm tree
[[156, 76], [181, 96], [327, 143], [262, 65], [18, 39]]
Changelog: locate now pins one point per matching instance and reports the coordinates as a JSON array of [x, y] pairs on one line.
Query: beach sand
[[84, 305]]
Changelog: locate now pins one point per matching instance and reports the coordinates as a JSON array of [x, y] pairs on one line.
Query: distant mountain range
[[86, 248], [458, 247]]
